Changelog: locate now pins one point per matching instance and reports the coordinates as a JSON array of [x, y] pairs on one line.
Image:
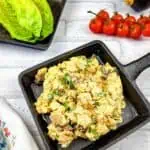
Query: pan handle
[[134, 68]]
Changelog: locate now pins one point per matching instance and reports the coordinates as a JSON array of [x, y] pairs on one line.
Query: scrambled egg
[[83, 99]]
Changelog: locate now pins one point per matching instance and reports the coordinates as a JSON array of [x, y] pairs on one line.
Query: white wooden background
[[72, 32]]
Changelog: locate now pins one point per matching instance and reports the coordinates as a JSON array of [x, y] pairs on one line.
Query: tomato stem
[[141, 15], [91, 12], [115, 13], [128, 15]]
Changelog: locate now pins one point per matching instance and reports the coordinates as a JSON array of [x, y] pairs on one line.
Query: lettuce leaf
[[47, 17], [28, 15], [8, 19]]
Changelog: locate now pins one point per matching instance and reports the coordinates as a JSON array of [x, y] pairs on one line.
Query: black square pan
[[136, 114], [57, 8]]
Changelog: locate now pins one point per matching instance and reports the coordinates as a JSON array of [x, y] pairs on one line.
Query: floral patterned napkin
[[13, 133]]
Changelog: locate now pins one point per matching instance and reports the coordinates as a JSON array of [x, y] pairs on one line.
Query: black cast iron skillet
[[136, 114], [57, 8]]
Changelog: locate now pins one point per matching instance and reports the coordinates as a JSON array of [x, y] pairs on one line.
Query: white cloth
[[14, 135]]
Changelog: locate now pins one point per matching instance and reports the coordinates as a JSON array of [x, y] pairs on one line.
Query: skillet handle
[[134, 68]]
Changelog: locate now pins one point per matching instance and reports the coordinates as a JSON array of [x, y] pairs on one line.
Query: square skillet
[[136, 114], [57, 8]]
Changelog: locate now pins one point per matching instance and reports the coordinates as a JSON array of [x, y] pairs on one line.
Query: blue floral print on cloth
[[3, 141], [7, 140]]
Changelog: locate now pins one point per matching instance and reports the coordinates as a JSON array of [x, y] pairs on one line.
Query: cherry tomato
[[103, 14], [130, 19], [122, 29], [135, 31], [117, 17], [109, 27], [96, 25], [143, 20], [146, 30]]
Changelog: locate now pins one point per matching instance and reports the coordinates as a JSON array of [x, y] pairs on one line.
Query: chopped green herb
[[57, 136], [50, 96], [66, 107], [101, 94], [53, 93], [93, 131], [70, 125], [71, 84], [88, 62], [68, 80], [96, 103], [56, 92]]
